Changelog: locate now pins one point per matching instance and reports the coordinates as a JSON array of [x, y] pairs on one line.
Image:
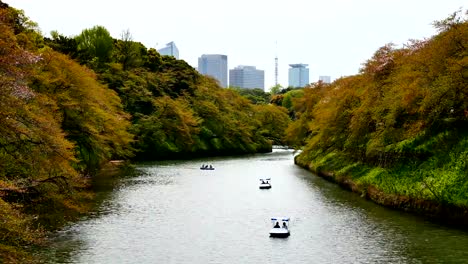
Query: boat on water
[[265, 183], [206, 167], [280, 227]]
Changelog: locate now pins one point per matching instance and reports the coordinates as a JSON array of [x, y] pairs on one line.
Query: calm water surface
[[173, 212]]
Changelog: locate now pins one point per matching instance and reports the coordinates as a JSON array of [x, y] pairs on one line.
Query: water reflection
[[173, 212]]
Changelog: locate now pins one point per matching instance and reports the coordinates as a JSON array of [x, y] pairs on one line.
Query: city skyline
[[244, 76], [334, 37], [251, 80]]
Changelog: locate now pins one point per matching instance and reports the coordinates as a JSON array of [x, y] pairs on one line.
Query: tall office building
[[170, 50], [247, 77], [325, 79], [298, 75], [214, 65]]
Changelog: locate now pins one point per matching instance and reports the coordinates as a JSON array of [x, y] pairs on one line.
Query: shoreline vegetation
[[448, 214], [73, 107], [397, 133]]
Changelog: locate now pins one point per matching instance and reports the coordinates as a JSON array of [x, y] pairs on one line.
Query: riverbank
[[354, 181], [171, 212], [26, 231]]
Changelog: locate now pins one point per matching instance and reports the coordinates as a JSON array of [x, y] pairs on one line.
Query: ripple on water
[[175, 213]]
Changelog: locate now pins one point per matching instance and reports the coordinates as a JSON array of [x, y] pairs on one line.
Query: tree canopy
[[405, 114], [69, 105]]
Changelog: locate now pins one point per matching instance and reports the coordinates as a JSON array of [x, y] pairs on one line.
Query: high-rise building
[[325, 79], [298, 75], [247, 77], [214, 65], [170, 50]]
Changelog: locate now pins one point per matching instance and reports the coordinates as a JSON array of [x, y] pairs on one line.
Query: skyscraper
[[247, 77], [214, 65], [325, 79], [298, 75], [170, 50]]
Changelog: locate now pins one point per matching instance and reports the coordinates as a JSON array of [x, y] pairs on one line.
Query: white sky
[[333, 36]]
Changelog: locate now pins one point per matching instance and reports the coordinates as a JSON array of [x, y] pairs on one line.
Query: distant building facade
[[298, 75], [170, 50], [325, 79], [247, 77], [214, 65]]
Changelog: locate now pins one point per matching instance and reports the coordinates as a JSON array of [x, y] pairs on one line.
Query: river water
[[173, 212]]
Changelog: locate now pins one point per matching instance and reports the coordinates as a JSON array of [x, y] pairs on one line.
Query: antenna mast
[[276, 64]]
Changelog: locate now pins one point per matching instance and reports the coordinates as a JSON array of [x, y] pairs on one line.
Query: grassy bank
[[436, 187]]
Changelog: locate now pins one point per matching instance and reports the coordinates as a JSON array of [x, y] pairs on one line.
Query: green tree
[[276, 89], [63, 44], [128, 51], [256, 96], [153, 60], [95, 46], [168, 130]]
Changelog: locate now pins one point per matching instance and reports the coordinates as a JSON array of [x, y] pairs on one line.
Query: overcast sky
[[333, 36]]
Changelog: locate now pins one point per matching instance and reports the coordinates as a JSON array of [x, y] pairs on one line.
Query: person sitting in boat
[[285, 225], [277, 225], [211, 166], [203, 166], [263, 182]]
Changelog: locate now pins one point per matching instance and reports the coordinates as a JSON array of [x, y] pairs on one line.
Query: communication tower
[[276, 64]]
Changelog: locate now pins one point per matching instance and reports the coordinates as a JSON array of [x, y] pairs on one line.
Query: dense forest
[[69, 105], [397, 132]]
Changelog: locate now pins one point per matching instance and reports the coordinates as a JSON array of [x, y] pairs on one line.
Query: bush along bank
[[437, 199]]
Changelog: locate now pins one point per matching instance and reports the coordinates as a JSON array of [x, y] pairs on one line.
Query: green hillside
[[398, 131], [69, 105]]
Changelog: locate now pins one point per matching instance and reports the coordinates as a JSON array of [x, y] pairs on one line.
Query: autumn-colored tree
[[35, 158], [60, 121], [90, 114], [298, 131], [405, 116], [273, 121]]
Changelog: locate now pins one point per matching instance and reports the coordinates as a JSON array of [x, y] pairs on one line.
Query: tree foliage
[[68, 105], [51, 109], [91, 115], [406, 112], [256, 96], [95, 46], [33, 150], [128, 52], [273, 122], [63, 44]]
